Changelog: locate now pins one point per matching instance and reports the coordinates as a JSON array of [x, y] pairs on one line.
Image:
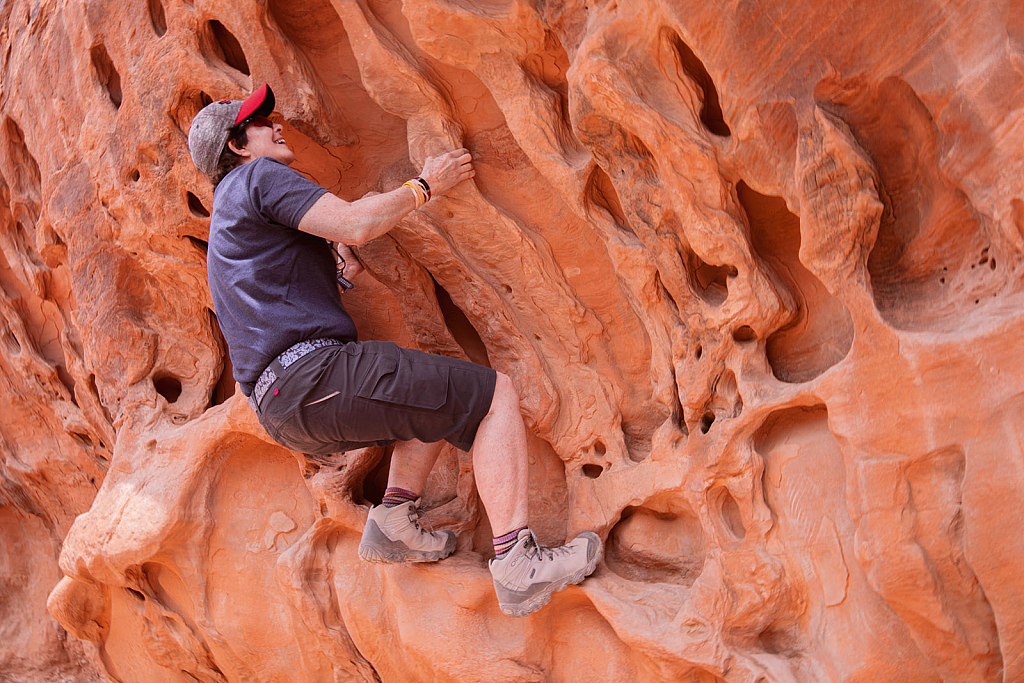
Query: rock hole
[[227, 48], [638, 438], [711, 111], [11, 343], [778, 641], [508, 290], [711, 282], [134, 176], [135, 594], [600, 192], [107, 74], [225, 386], [942, 280], [65, 377], [706, 420], [928, 222], [81, 438], [599, 448], [992, 264], [699, 352], [819, 330], [461, 327], [731, 515], [167, 386], [201, 245], [726, 399], [196, 206], [27, 179], [188, 104], [52, 237], [744, 334], [157, 17], [96, 392], [592, 471], [663, 543], [376, 481], [25, 229]]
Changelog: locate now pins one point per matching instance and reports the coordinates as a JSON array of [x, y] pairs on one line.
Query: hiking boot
[[394, 535], [527, 576]]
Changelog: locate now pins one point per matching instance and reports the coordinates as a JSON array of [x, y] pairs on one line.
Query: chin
[[285, 156]]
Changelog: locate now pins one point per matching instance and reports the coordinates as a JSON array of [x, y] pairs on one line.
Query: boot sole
[[377, 548], [520, 604]]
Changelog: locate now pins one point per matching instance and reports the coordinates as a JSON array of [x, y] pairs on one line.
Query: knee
[[505, 391]]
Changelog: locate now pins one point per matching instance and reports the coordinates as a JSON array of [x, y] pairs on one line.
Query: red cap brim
[[260, 102]]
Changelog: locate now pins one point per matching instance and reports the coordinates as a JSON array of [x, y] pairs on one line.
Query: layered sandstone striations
[[755, 267]]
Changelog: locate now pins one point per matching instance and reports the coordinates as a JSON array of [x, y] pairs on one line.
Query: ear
[[240, 151]]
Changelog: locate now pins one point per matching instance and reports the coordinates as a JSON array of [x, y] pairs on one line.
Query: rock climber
[[279, 248]]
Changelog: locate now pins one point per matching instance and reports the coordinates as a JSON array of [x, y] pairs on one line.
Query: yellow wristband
[[421, 196]]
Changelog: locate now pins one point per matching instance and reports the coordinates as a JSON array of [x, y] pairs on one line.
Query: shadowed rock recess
[[756, 268]]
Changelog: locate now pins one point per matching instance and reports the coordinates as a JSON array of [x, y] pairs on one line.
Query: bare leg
[[411, 463], [500, 464], [393, 534]]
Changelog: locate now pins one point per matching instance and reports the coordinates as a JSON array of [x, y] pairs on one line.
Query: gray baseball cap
[[212, 126]]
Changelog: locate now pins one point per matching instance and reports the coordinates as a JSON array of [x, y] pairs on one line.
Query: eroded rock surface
[[755, 267]]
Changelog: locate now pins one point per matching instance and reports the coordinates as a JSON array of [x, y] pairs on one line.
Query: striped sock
[[504, 543], [395, 496]]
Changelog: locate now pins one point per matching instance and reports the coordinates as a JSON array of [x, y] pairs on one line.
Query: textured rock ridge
[[755, 268]]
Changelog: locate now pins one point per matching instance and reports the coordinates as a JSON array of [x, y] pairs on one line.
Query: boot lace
[[415, 513], [535, 549]]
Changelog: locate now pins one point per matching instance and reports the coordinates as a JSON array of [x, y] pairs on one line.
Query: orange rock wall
[[755, 267]]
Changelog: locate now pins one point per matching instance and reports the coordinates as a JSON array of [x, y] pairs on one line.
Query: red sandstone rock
[[755, 267]]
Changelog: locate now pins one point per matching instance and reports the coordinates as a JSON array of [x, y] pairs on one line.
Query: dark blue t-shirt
[[272, 284]]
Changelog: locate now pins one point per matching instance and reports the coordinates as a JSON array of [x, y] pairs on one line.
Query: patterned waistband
[[286, 358]]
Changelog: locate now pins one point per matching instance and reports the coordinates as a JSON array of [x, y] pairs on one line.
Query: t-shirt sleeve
[[280, 194]]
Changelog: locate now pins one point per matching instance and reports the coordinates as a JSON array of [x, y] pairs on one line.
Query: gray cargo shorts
[[374, 393]]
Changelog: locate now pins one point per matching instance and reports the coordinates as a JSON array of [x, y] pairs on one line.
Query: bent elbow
[[359, 234]]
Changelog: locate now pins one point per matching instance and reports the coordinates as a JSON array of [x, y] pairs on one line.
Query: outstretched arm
[[370, 217]]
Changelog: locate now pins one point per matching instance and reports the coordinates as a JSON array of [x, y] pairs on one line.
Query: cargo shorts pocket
[[405, 382]]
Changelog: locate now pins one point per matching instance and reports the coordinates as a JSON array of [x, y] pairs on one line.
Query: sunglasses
[[259, 121], [254, 120]]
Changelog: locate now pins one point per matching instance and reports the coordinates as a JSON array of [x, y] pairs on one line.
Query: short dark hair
[[229, 161]]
